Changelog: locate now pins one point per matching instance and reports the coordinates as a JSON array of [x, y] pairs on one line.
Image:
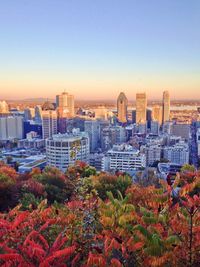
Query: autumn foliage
[[141, 226]]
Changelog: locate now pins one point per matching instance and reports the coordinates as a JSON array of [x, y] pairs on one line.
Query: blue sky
[[96, 48]]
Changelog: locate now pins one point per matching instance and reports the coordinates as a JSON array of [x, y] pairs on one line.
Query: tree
[[104, 183], [8, 178], [57, 186]]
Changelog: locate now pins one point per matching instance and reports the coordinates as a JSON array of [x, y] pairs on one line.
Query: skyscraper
[[157, 113], [122, 104], [65, 109], [49, 120], [38, 114], [141, 108], [65, 105], [166, 107]]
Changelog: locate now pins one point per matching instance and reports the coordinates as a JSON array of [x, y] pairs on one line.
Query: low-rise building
[[123, 158], [178, 153], [28, 164]]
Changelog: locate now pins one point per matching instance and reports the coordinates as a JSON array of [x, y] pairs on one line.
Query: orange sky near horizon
[[95, 89]]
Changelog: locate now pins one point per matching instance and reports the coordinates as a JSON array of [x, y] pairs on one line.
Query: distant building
[[32, 162], [155, 127], [123, 158], [49, 120], [4, 108], [75, 123], [141, 107], [65, 105], [29, 114], [198, 141], [134, 116], [166, 107], [178, 153], [11, 127], [149, 118], [65, 110], [153, 154], [96, 161], [157, 114], [63, 150], [101, 112], [182, 130], [122, 105], [92, 127], [49, 123], [38, 114], [29, 143], [112, 135], [142, 128], [32, 126], [167, 127]]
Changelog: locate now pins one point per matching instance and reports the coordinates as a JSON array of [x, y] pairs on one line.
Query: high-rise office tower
[[92, 127], [38, 114], [65, 109], [49, 120], [122, 104], [157, 113], [65, 105], [141, 108], [166, 107]]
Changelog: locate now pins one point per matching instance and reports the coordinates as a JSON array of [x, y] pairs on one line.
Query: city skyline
[[89, 50]]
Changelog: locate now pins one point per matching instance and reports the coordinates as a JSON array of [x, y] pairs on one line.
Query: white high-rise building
[[11, 127], [63, 150], [166, 107], [141, 108], [49, 123], [122, 105], [49, 120]]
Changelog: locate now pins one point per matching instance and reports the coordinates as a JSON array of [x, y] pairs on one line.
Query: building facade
[[123, 158], [63, 150], [166, 107], [11, 127], [122, 105], [178, 153], [141, 108]]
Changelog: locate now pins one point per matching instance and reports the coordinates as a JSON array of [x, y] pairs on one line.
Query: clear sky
[[96, 48]]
